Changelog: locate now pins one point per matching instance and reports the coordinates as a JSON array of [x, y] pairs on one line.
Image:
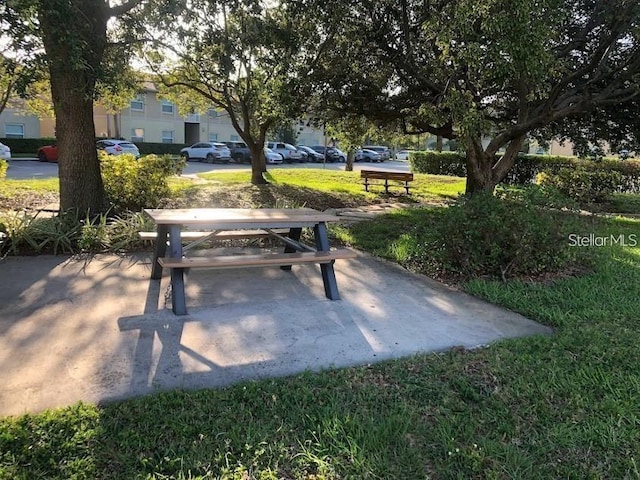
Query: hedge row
[[26, 145], [527, 167], [31, 145]]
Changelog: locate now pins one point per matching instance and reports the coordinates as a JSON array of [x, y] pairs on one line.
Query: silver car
[[117, 147], [208, 151], [5, 152], [288, 152]]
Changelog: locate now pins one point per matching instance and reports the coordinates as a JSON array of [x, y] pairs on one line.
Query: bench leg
[[366, 184], [159, 250], [386, 186], [178, 301], [294, 234], [328, 274], [406, 187]]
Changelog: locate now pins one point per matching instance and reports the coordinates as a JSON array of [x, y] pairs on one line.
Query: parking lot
[[31, 168]]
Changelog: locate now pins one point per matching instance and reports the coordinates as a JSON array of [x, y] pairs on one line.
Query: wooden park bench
[[386, 176]]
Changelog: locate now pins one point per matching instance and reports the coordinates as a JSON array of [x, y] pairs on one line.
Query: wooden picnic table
[[284, 224]]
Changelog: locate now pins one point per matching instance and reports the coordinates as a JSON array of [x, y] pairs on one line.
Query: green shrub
[[148, 148], [489, 236], [546, 196], [132, 184], [26, 234], [4, 165], [582, 185], [528, 167], [438, 163], [23, 233]]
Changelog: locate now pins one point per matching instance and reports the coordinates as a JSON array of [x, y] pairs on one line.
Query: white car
[[403, 155], [5, 152], [288, 152], [207, 151], [271, 157], [117, 147], [342, 157]]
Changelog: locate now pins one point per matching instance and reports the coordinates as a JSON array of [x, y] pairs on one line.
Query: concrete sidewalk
[[98, 329]]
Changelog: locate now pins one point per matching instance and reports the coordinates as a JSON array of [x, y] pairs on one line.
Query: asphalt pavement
[[27, 168], [98, 329]]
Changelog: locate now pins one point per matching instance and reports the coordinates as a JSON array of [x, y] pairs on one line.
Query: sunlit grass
[[424, 187], [10, 187]]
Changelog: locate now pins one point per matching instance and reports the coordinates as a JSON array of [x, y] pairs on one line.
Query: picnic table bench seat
[[257, 260]]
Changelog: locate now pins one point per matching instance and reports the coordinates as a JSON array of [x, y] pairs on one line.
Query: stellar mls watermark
[[593, 240]]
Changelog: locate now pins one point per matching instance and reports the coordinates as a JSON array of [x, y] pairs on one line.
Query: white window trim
[[136, 138], [167, 103], [140, 98], [171, 138], [13, 135]]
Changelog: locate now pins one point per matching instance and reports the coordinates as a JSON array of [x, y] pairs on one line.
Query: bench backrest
[[377, 174]]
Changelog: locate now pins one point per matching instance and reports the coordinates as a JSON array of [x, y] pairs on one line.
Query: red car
[[48, 153]]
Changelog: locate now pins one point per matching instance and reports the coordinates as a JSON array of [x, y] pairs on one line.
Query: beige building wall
[[150, 119], [16, 124]]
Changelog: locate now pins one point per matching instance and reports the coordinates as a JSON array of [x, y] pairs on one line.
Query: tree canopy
[[247, 58], [489, 72], [71, 37]]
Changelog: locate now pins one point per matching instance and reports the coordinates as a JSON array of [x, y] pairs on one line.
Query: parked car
[[208, 151], [312, 155], [5, 152], [117, 147], [328, 153], [289, 153], [342, 157], [240, 152], [403, 155], [382, 150], [304, 153], [48, 153], [366, 155], [272, 157], [112, 146]]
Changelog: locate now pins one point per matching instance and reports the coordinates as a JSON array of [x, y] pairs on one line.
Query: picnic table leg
[[294, 234], [159, 250], [328, 274], [178, 301]]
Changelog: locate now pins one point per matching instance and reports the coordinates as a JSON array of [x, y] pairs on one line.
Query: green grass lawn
[[562, 406], [423, 188]]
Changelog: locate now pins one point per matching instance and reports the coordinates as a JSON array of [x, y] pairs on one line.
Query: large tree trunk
[[484, 169], [74, 35], [479, 172]]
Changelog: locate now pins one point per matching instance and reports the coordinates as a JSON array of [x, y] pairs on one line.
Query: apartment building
[[148, 118]]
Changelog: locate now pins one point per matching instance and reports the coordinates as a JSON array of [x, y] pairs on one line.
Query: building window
[[167, 136], [212, 113], [167, 107], [137, 103], [235, 138], [213, 137], [137, 134], [14, 130]]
